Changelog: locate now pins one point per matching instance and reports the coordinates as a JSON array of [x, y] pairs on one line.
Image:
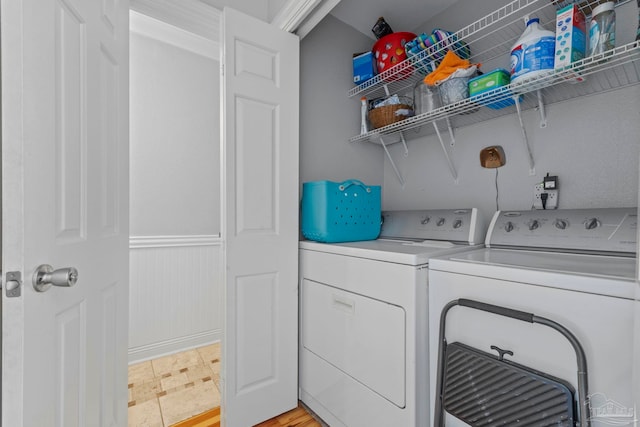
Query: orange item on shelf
[[448, 66]]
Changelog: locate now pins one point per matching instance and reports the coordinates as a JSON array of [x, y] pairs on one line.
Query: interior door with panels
[[260, 87], [65, 205]]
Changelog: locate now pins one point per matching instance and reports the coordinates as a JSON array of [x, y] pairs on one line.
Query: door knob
[[45, 276]]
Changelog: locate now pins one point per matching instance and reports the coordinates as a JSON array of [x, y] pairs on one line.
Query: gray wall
[[175, 141], [328, 117], [591, 143]]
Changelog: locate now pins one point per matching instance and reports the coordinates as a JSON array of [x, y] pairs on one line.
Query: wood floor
[[298, 417]]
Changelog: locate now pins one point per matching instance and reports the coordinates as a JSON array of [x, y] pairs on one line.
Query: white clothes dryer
[[575, 267], [363, 318]]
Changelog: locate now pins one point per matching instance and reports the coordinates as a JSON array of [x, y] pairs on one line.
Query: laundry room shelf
[[617, 68], [490, 40]]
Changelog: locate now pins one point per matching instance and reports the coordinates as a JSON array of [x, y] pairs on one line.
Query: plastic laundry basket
[[340, 211]]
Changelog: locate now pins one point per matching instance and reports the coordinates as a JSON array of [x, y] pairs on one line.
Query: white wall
[[175, 292], [328, 117], [257, 9], [175, 142], [175, 300], [263, 10], [274, 8]]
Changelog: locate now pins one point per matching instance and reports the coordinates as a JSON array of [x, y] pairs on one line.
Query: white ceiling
[[401, 15]]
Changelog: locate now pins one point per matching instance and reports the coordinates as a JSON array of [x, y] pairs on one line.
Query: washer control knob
[[457, 223], [440, 222], [591, 223], [508, 227], [561, 224], [425, 220], [534, 224]]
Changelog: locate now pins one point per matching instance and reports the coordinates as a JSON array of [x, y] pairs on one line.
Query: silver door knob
[[45, 276]]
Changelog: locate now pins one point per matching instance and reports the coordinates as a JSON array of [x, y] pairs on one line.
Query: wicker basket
[[386, 115]]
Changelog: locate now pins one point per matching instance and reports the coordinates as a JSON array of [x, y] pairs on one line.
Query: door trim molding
[[148, 26], [193, 16], [300, 17], [142, 242], [315, 17], [293, 13]]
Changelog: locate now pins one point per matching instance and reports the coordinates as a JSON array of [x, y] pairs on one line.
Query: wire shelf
[[610, 70], [489, 38]]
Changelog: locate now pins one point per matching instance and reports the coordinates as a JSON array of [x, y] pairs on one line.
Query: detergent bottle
[[534, 52]]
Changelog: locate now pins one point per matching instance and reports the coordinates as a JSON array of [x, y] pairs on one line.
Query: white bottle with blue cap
[[534, 52]]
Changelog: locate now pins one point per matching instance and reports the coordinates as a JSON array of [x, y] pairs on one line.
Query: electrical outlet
[[552, 197]]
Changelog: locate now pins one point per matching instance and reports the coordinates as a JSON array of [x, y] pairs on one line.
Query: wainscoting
[[175, 294]]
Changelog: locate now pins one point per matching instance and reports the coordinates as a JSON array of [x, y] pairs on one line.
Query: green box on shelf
[[490, 81]]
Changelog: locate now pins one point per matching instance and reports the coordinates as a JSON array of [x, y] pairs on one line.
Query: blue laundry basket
[[335, 212]]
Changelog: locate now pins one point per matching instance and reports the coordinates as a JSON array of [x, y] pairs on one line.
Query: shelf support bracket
[[452, 168], [525, 140], [404, 144], [393, 164], [452, 138], [543, 113]]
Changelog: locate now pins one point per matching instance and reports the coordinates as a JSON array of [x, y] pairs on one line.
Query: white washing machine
[[575, 267], [363, 318]]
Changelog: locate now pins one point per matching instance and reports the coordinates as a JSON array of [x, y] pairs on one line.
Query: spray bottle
[[363, 116]]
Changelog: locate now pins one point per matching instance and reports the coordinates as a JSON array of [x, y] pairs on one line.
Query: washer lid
[[599, 274], [396, 251]]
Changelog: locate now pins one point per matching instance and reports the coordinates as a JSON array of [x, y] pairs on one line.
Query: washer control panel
[[455, 225], [600, 230]]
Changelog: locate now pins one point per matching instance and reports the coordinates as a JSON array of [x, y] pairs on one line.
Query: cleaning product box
[[490, 81], [362, 67], [570, 36]]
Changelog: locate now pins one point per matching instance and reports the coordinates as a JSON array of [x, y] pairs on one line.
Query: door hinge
[[13, 284]]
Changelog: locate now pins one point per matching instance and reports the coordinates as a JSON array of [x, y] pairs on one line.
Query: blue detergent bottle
[[534, 52]]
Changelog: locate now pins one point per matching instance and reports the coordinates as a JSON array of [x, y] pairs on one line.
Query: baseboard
[[176, 345]]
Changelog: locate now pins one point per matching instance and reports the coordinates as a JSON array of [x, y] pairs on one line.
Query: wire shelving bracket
[[393, 164], [525, 140]]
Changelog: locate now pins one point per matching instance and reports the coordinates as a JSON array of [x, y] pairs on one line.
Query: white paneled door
[[65, 73], [260, 87]]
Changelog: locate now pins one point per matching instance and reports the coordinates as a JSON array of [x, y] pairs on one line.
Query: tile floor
[[173, 388]]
